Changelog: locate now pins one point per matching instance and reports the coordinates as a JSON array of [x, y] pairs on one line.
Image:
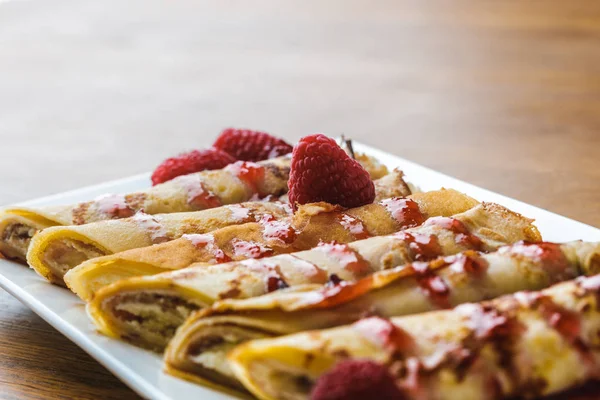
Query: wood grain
[[505, 95]]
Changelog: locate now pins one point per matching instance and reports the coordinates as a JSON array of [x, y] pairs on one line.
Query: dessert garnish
[[249, 145], [188, 163], [322, 171]]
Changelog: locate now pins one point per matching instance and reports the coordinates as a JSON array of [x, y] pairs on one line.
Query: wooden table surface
[[505, 95]]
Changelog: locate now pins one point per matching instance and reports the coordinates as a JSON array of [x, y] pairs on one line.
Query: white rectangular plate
[[142, 370]]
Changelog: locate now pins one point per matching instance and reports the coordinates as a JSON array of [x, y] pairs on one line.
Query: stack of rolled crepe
[[56, 250], [310, 225], [199, 191], [525, 345], [147, 310], [236, 183], [198, 350]]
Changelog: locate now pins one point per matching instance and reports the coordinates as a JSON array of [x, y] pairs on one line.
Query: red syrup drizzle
[[349, 259], [205, 200], [250, 249], [423, 247], [252, 174], [488, 322], [384, 333], [413, 377], [353, 225], [549, 255], [198, 196], [275, 283], [273, 280], [435, 287], [405, 211], [471, 264], [566, 322], [205, 241], [114, 205], [277, 229], [463, 236], [432, 285]]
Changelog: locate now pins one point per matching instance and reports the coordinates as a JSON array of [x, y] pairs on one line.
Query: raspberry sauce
[[275, 283], [250, 249], [463, 236], [349, 259], [272, 275], [405, 211], [548, 254], [435, 288], [114, 206], [566, 322], [422, 247], [485, 321], [383, 333], [470, 264], [198, 196], [274, 229], [252, 174], [150, 224], [353, 225], [207, 241]]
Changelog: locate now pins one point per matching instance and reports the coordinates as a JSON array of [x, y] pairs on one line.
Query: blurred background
[[502, 94]]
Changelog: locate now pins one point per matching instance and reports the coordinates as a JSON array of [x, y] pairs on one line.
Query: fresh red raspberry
[[357, 380], [248, 145], [187, 163], [322, 171]]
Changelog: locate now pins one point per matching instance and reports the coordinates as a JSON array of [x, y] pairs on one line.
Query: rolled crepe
[[235, 183], [525, 345], [57, 249], [147, 310], [310, 225], [198, 350]]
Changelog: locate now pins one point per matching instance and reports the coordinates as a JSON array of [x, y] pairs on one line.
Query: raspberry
[[322, 171], [248, 145], [356, 380], [187, 163]]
